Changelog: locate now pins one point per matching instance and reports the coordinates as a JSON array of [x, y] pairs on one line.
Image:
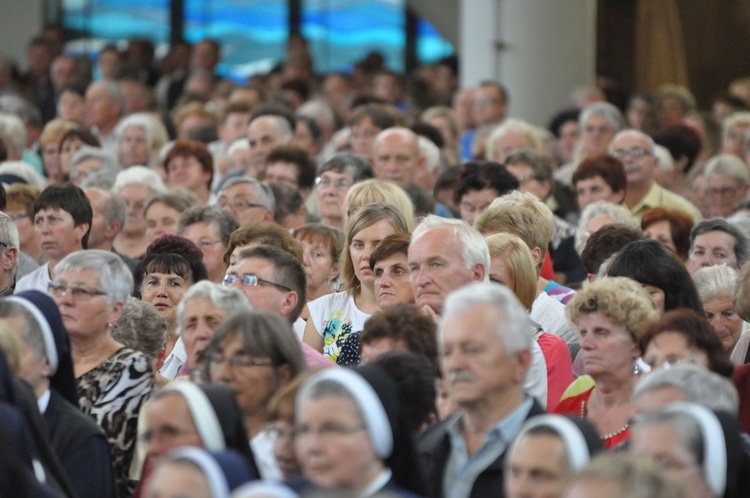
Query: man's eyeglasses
[[78, 293], [634, 153], [251, 280], [240, 205], [237, 361]]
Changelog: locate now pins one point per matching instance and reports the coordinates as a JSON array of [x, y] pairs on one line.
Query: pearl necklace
[[605, 436]]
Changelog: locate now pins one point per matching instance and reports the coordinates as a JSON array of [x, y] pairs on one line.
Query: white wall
[[539, 49], [20, 22]]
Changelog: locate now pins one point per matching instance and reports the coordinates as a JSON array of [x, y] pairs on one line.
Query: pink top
[[315, 359]]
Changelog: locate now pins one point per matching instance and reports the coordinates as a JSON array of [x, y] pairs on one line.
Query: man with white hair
[[13, 135], [249, 200], [636, 151], [484, 340], [267, 132], [105, 105]]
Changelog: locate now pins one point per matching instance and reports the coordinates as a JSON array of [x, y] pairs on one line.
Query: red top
[[559, 367], [574, 405]]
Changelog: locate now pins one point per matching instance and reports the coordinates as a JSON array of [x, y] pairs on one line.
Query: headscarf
[[224, 471], [56, 341]]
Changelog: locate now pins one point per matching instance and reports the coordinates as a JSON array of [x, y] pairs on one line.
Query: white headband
[[714, 464], [210, 467], [203, 413], [373, 413], [576, 448], [47, 336]]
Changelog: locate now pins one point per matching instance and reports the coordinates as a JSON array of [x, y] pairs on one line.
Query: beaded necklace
[[605, 436]]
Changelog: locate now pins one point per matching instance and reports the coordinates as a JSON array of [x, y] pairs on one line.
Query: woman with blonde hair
[[335, 316], [49, 141], [512, 265], [372, 191]]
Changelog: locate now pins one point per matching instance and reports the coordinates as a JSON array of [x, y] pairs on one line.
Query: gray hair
[[141, 328], [356, 165], [728, 164], [685, 427], [87, 152], [620, 215], [156, 133], [139, 175], [697, 384], [103, 179], [430, 152], [229, 299], [650, 141], [511, 126], [115, 93], [115, 208], [209, 214], [605, 110], [115, 277], [12, 131], [318, 109], [513, 326], [715, 281], [474, 248], [263, 194], [240, 143], [741, 241], [9, 235]]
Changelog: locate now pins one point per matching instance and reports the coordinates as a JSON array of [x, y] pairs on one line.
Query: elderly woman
[[716, 286], [553, 445], [669, 226], [137, 185], [321, 247], [351, 435], [171, 265], [658, 271], [141, 328], [90, 288], [200, 313], [335, 178], [600, 178], [609, 314], [255, 353], [695, 446], [512, 135], [140, 137], [481, 183], [89, 160], [728, 182], [733, 130], [683, 336], [189, 165], [335, 316], [20, 207]]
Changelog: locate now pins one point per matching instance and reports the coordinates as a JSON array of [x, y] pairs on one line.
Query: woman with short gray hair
[[90, 288], [716, 285]]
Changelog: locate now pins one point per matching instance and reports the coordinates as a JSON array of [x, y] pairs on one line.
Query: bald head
[[266, 133], [397, 156]]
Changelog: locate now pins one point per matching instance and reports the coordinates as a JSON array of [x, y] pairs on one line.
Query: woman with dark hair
[[481, 182], [600, 178], [171, 265], [670, 226], [70, 142], [334, 180], [659, 272], [683, 336], [351, 435], [189, 165]]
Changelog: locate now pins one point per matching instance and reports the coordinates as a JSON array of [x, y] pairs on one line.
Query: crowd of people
[[366, 283]]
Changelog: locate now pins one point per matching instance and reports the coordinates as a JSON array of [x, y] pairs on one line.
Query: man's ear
[[10, 259], [478, 271], [290, 302]]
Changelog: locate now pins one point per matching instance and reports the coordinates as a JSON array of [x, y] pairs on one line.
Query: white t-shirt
[[550, 315], [177, 357], [36, 280], [335, 317]]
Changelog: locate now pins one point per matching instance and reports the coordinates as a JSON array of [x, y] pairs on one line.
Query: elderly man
[[716, 242], [105, 105], [636, 151], [265, 133], [11, 256], [109, 212], [728, 183], [484, 342], [209, 228], [444, 255], [62, 222], [249, 200], [397, 156]]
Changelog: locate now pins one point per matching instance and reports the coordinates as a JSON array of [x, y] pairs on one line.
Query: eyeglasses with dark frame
[[251, 280], [79, 293]]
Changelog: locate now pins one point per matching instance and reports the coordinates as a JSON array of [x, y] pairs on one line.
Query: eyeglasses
[[237, 361], [723, 192], [240, 205], [78, 293], [340, 184], [329, 430], [633, 153], [251, 280]]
